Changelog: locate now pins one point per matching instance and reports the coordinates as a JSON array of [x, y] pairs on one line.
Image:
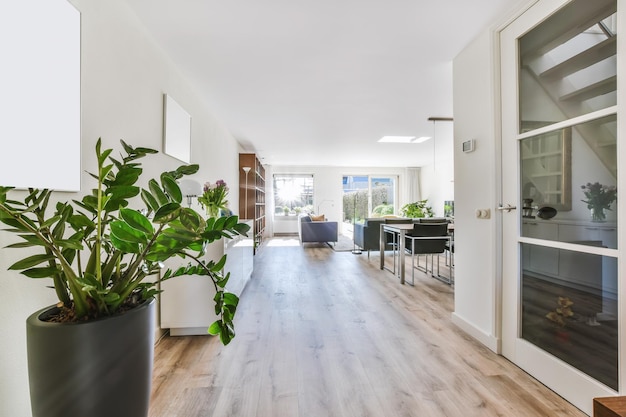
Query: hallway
[[324, 333]]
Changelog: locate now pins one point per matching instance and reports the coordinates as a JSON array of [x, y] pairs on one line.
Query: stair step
[[593, 90], [588, 57], [561, 27]]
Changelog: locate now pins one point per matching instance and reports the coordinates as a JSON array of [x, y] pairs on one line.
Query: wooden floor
[[324, 333]]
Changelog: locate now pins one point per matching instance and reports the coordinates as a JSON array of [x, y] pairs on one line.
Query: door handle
[[506, 208]]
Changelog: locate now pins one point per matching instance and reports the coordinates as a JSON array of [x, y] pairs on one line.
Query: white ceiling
[[319, 82]]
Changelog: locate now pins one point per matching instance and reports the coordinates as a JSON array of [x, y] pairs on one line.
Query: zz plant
[[99, 252]]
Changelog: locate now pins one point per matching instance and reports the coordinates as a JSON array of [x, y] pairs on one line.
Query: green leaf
[[215, 328], [41, 272], [123, 231], [185, 234], [149, 200], [157, 192], [33, 240], [111, 297], [187, 169], [124, 246], [50, 221], [191, 220], [78, 221], [242, 228], [220, 264], [69, 243], [166, 213], [136, 220], [122, 191], [231, 299], [127, 176], [171, 188], [31, 261], [21, 245]]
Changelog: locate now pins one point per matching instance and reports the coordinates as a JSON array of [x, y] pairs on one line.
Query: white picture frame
[[176, 130]]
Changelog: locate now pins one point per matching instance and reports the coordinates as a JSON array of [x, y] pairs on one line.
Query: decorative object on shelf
[[562, 312], [190, 189], [213, 198], [99, 254], [546, 212], [417, 210], [599, 198], [527, 208]]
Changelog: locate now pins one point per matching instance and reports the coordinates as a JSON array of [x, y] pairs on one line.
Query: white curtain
[[412, 191]]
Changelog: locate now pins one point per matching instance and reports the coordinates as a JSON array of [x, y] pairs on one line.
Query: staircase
[[571, 61]]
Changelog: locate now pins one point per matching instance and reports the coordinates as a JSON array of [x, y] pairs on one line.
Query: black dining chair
[[427, 239]]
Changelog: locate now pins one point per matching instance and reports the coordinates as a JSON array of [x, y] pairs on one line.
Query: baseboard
[[489, 340]]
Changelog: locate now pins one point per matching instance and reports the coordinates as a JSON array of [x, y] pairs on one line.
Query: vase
[[597, 214], [97, 368], [212, 211]]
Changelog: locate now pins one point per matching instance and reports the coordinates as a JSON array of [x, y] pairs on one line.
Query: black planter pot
[[96, 369]]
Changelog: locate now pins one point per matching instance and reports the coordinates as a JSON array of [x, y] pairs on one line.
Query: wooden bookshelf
[[252, 195]]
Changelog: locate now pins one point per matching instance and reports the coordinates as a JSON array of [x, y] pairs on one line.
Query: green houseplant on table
[[99, 254], [417, 210]]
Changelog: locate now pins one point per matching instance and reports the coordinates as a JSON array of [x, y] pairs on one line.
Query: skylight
[[403, 139], [396, 139], [421, 139]]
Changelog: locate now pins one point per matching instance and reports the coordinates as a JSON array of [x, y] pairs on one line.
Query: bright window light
[[396, 139]]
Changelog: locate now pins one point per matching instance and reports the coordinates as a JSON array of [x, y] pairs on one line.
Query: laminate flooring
[[324, 333]]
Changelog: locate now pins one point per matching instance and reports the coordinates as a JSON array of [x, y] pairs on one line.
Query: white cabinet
[[576, 269], [538, 258], [187, 306]]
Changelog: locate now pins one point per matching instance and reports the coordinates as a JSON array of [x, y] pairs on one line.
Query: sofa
[[317, 231], [367, 235]]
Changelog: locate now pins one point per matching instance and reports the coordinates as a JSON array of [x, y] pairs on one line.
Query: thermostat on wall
[[468, 145]]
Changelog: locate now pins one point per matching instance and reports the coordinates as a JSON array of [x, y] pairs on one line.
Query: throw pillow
[[319, 218], [305, 218]]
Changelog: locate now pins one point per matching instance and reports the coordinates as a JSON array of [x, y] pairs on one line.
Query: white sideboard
[[186, 303]]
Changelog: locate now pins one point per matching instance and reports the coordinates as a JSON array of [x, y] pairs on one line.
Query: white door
[[559, 164]]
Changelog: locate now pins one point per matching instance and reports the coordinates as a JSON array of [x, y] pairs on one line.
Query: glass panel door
[[559, 168]]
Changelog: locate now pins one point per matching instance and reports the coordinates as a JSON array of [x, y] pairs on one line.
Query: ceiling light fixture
[[396, 139], [422, 139], [435, 120]]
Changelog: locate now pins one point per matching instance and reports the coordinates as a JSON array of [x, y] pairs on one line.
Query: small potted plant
[[417, 209], [213, 197], [91, 354]]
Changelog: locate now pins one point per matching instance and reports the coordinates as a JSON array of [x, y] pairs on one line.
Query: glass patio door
[[559, 202]]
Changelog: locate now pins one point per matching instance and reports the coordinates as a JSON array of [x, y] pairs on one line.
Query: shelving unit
[[252, 195], [546, 168]]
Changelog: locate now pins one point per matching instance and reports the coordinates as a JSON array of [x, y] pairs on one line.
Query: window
[[368, 196], [293, 193]]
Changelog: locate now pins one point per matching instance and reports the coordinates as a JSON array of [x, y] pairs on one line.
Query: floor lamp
[[355, 250], [246, 170]]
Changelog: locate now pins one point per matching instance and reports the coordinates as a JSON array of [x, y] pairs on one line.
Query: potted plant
[[417, 209], [91, 354]]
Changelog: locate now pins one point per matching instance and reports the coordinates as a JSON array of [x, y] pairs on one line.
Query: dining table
[[398, 229]]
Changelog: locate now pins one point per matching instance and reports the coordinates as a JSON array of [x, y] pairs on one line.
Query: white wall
[[475, 186], [124, 75]]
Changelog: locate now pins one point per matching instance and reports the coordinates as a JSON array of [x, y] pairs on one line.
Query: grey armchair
[[367, 235]]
